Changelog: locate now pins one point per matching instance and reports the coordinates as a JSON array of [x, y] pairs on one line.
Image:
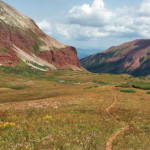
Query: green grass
[[128, 90], [139, 85], [148, 92], [101, 82], [3, 51], [38, 66], [12, 87], [25, 71], [36, 45], [89, 87]]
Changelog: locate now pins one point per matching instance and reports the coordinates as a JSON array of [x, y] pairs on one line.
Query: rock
[[21, 39]]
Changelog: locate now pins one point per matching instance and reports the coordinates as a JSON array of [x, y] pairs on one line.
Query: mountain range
[[22, 42], [131, 58]]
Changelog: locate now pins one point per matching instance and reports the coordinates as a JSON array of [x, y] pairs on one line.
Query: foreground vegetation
[[67, 110]]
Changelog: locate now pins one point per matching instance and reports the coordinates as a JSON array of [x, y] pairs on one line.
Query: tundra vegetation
[[39, 111]]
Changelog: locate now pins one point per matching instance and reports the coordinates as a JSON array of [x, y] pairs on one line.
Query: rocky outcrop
[[22, 40], [131, 57], [63, 58], [8, 59]]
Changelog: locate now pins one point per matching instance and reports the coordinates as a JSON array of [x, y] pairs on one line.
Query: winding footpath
[[109, 144]]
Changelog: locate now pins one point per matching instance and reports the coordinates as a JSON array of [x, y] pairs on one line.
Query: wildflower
[[55, 107], [88, 137], [47, 117], [132, 123], [7, 124]]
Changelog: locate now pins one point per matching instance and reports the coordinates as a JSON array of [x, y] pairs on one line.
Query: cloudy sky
[[89, 25]]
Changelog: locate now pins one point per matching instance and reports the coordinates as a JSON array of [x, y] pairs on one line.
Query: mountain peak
[[21, 39], [12, 17]]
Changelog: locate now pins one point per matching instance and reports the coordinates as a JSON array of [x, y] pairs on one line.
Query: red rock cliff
[[21, 39]]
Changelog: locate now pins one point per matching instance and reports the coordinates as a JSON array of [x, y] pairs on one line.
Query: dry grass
[[49, 114]]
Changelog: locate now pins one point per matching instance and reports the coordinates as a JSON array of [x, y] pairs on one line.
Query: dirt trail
[[109, 144], [111, 106]]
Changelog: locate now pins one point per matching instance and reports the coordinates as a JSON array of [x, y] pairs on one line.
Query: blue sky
[[90, 25]]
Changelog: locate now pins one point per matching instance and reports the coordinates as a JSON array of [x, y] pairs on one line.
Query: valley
[[69, 110], [51, 100]]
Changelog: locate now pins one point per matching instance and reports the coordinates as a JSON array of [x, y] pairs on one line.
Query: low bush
[[128, 90], [16, 87], [13, 87], [148, 92], [101, 82], [138, 85], [89, 87], [142, 98]]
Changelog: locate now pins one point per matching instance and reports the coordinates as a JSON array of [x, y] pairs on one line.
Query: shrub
[[138, 85], [89, 87], [125, 85], [13, 87], [101, 82], [16, 87], [142, 98], [148, 92], [128, 90], [141, 85]]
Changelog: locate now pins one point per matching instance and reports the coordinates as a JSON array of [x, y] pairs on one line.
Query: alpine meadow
[[51, 100]]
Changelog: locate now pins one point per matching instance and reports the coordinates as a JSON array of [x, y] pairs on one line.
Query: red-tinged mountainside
[[22, 40], [132, 58]]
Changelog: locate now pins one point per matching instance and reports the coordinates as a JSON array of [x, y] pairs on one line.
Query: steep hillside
[[132, 58], [22, 40]]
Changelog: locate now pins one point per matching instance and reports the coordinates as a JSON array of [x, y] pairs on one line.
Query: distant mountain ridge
[[131, 57], [22, 40]]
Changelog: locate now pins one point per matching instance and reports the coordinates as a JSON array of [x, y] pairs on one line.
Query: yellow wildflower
[[6, 124], [132, 123], [47, 117]]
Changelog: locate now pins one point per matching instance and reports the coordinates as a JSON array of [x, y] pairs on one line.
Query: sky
[[89, 25]]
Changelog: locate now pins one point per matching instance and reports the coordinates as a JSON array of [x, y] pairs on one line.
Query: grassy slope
[[70, 115]]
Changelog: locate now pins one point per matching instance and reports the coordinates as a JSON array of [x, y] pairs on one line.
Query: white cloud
[[145, 8], [45, 25], [63, 31], [98, 21], [121, 29], [78, 32], [98, 4], [94, 15]]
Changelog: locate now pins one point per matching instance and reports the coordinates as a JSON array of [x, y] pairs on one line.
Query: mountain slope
[[22, 40], [131, 57]]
